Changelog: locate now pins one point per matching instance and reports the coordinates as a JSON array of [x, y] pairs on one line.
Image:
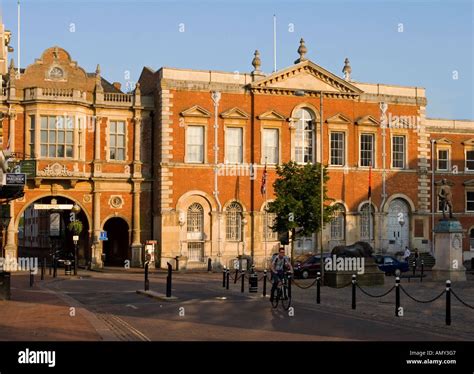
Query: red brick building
[[278, 117]]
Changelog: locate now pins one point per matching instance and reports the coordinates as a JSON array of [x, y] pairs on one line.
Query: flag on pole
[[370, 181], [263, 187]]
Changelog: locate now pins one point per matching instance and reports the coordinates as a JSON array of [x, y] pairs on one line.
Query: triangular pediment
[[339, 118], [469, 182], [306, 75], [196, 111], [367, 121], [444, 141], [272, 115], [235, 113], [468, 142]]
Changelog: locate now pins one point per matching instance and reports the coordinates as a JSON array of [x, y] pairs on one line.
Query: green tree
[[298, 200]]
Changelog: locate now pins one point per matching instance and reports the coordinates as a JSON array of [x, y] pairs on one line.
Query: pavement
[[107, 307]]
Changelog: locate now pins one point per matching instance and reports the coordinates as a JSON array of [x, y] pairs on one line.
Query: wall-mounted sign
[[15, 179], [54, 224]]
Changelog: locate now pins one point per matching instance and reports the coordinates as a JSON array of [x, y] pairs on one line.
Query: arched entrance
[[117, 246], [35, 238], [398, 225]]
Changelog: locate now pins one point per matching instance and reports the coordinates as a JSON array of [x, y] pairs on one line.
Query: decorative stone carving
[[55, 170], [87, 198], [116, 201]]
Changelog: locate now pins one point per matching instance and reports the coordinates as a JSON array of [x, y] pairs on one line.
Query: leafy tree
[[298, 200]]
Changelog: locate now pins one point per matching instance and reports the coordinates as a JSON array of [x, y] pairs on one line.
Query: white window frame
[[277, 130], [448, 159], [404, 151], [344, 158], [372, 135], [38, 130], [109, 147], [466, 200], [242, 152], [303, 132], [340, 216], [468, 149], [203, 145]]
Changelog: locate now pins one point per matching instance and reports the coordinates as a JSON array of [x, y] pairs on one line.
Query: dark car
[[390, 265], [309, 267]]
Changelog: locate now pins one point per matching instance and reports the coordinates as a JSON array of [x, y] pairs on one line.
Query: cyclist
[[280, 263]]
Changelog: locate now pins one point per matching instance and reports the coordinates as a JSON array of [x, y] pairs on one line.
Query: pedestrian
[[417, 256], [407, 254]]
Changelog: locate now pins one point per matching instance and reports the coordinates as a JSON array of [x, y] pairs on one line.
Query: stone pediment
[[235, 113], [444, 141], [308, 76], [272, 115], [196, 111], [340, 119], [468, 142], [367, 121], [469, 182]]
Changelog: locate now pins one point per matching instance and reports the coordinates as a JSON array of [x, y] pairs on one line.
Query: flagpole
[[274, 44], [266, 214], [18, 40], [370, 202]]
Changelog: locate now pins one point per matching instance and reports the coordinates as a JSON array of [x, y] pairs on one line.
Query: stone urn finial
[[256, 62], [302, 50], [347, 70]]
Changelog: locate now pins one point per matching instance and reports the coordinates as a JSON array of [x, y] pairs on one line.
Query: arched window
[[366, 223], [338, 223], [471, 239], [234, 222], [195, 218], [268, 222], [304, 136]]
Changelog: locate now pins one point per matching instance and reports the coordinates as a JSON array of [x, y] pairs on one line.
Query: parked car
[[390, 265], [308, 268]]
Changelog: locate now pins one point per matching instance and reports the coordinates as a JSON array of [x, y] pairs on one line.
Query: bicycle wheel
[[276, 298], [286, 300]]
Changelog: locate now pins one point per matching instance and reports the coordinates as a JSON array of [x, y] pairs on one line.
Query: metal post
[[177, 263], [223, 277], [318, 288], [353, 291], [209, 265], [75, 258], [265, 283], [43, 267], [289, 285], [242, 287], [32, 278], [168, 280], [236, 275], [228, 277], [147, 282], [448, 303], [397, 296], [414, 267], [55, 267], [422, 270]]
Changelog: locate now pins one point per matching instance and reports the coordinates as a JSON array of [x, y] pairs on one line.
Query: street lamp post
[[75, 209], [5, 219], [401, 221]]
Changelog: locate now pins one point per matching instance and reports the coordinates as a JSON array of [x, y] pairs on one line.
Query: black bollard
[[227, 279], [448, 303], [209, 265], [422, 270], [55, 268], [32, 278], [223, 277], [177, 263], [414, 267], [265, 283], [147, 282], [168, 280], [242, 287], [318, 288], [353, 291], [236, 275], [397, 296], [43, 268], [472, 263]]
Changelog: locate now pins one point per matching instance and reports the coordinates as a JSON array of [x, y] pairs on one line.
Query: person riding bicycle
[[280, 263]]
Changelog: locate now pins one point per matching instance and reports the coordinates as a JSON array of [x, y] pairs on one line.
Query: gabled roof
[[367, 121], [272, 115], [340, 119], [306, 75], [235, 113], [196, 111]]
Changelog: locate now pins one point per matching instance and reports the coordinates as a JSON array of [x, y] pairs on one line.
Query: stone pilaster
[[166, 147], [136, 243], [97, 253], [11, 249], [424, 157]]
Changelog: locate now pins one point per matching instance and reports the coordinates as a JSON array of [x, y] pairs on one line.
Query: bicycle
[[282, 293]]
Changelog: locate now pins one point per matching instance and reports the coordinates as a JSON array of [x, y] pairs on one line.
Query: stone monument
[[448, 235]]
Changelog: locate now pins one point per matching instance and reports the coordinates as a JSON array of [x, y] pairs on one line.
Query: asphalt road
[[206, 311]]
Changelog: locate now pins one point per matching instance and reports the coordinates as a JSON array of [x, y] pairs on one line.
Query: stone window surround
[[444, 147], [107, 139], [332, 129], [374, 147], [37, 129], [466, 149], [399, 132], [467, 189], [262, 146], [244, 133], [205, 139]]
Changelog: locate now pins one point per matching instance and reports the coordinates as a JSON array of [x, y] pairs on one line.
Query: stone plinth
[[448, 235], [372, 276]]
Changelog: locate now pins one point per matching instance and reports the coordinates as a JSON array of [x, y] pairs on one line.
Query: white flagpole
[[274, 43], [18, 40], [266, 214]]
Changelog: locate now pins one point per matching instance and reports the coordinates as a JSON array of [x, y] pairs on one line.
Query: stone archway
[[117, 246], [33, 231], [398, 235]]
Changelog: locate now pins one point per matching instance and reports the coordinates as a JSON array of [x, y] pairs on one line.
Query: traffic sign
[[103, 235]]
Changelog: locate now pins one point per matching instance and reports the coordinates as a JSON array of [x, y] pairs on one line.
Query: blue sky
[[437, 39]]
